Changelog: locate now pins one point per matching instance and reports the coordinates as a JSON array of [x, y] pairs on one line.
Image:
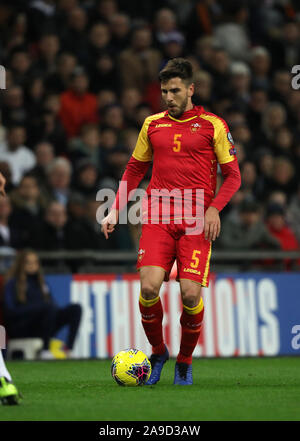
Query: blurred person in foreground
[[186, 144], [8, 392], [29, 308]]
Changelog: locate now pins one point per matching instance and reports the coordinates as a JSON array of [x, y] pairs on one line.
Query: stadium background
[[81, 76]]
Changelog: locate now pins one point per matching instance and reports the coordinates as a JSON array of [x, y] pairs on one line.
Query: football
[[131, 368]]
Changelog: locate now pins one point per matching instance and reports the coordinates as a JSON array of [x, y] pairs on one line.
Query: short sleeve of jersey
[[143, 149], [223, 142]]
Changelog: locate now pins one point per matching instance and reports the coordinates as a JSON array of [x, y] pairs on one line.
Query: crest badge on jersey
[[195, 127], [141, 254], [230, 138]]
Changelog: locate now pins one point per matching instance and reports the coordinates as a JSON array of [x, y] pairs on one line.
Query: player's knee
[[190, 297], [149, 291]]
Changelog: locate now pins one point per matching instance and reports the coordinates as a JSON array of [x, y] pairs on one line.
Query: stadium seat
[[28, 347]]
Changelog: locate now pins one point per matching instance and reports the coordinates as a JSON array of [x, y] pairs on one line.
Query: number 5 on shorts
[[195, 259]]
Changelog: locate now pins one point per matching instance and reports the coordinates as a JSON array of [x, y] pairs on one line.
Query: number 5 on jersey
[[177, 146]]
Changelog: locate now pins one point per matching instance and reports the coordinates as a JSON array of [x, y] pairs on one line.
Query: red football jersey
[[185, 151]]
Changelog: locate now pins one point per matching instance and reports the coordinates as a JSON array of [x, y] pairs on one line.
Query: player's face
[[177, 96]]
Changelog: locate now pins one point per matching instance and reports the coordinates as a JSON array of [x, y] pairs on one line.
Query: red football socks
[[152, 316], [191, 322]]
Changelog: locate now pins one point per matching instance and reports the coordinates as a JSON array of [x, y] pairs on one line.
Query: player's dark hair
[[177, 67]]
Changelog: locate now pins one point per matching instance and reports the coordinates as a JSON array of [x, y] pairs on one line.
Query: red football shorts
[[161, 244]]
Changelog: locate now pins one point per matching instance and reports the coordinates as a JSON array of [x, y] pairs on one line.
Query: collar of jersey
[[186, 119], [182, 120]]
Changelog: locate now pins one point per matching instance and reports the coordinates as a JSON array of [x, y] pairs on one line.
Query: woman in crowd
[[29, 308]]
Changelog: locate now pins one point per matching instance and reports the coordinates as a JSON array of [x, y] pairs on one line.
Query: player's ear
[[191, 89]]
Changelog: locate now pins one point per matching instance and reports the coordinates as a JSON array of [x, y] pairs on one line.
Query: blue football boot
[[183, 374], [157, 363]]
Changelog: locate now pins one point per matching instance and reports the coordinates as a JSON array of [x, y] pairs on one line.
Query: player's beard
[[177, 111]]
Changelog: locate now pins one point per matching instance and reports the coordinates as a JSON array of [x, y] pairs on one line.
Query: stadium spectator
[[142, 111], [139, 64], [130, 99], [283, 177], [120, 30], [247, 231], [104, 74], [256, 107], [173, 47], [240, 80], [21, 65], [278, 228], [105, 98], [92, 228], [277, 198], [41, 16], [86, 179], [219, 66], [202, 17], [28, 207], [113, 117], [57, 233], [99, 43], [29, 308], [103, 10], [203, 88], [9, 236], [260, 62], [204, 51], [58, 81], [59, 173], [231, 33], [165, 24], [249, 178], [273, 119], [76, 207], [44, 153], [78, 106], [19, 157], [51, 128], [285, 49], [283, 143], [48, 49], [17, 32], [86, 146], [281, 86], [14, 110], [74, 38]]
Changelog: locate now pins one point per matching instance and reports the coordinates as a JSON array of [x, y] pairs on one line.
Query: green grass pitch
[[224, 389]]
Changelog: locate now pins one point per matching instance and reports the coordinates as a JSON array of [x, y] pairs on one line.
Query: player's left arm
[[226, 156]]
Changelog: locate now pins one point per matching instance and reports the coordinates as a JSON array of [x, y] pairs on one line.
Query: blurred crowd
[[81, 76]]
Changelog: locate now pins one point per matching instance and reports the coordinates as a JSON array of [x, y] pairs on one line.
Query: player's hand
[[2, 184], [212, 223], [109, 222]]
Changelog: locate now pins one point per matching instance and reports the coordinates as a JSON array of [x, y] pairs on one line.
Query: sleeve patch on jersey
[[230, 138], [232, 151]]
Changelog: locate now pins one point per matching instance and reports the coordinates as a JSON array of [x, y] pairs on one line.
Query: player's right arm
[[135, 171]]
